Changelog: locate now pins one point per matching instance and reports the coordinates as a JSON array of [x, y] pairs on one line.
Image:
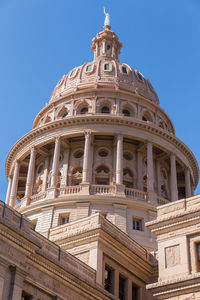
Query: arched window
[[147, 117], [126, 112], [102, 175], [128, 178], [84, 110], [76, 177], [105, 110], [63, 112]]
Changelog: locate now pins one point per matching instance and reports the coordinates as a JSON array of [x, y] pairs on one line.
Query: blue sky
[[43, 39]]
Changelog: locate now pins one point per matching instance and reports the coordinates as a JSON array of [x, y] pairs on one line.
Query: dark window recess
[[65, 115], [105, 182], [89, 68], [124, 70], [103, 153], [25, 296], [144, 119], [135, 292], [140, 76], [126, 112], [78, 154], [137, 224], [105, 110], [109, 280], [198, 255], [122, 285], [128, 156], [106, 67], [64, 220], [84, 110]]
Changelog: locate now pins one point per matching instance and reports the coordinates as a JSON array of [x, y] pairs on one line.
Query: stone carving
[[172, 256]]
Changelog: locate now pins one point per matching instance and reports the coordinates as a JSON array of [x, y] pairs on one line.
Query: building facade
[[100, 158]]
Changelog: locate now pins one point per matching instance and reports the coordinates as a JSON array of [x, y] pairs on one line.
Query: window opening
[[73, 73], [122, 284], [89, 68], [78, 154], [103, 153], [135, 292], [84, 110], [106, 67], [126, 112], [140, 76], [109, 279], [105, 110], [137, 224], [124, 70], [64, 220]]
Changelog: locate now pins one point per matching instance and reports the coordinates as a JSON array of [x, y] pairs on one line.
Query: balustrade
[[133, 193], [102, 189]]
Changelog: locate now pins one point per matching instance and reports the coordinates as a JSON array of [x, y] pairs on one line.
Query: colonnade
[[87, 171]]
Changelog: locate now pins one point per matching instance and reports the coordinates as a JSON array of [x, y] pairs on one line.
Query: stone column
[[119, 160], [91, 160], [55, 162], [158, 177], [188, 191], [139, 171], [8, 190], [173, 178], [13, 192], [86, 158], [30, 176], [65, 167], [45, 175], [150, 171]]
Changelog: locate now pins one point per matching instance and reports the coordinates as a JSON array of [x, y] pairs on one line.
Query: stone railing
[[39, 196], [102, 189], [161, 200], [133, 193], [69, 190]]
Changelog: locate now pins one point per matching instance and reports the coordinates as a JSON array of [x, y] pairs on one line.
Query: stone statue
[[107, 18]]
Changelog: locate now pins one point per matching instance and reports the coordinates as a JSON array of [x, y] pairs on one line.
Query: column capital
[[33, 149], [57, 138], [119, 136], [87, 133], [172, 154]]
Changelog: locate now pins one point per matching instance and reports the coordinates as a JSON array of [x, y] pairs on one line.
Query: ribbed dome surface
[[105, 71]]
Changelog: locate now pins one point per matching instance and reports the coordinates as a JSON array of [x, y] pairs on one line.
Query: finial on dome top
[[107, 20]]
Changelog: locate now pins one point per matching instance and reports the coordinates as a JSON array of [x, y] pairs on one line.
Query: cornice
[[176, 285], [92, 199], [102, 119]]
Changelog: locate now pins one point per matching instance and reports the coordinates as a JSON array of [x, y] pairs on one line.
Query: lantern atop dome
[[106, 43]]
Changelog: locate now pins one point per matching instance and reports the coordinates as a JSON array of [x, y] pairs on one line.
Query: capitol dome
[[101, 144]]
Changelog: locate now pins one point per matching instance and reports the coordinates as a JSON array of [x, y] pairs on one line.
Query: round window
[[128, 156], [78, 154], [103, 153]]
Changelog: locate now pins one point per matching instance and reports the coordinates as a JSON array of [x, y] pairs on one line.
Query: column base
[[152, 198], [26, 201], [85, 188], [51, 192], [119, 190]]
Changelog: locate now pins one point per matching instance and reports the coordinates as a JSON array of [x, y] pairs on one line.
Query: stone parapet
[[31, 251]]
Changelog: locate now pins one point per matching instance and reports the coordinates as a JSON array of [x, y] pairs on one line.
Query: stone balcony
[[82, 190]]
